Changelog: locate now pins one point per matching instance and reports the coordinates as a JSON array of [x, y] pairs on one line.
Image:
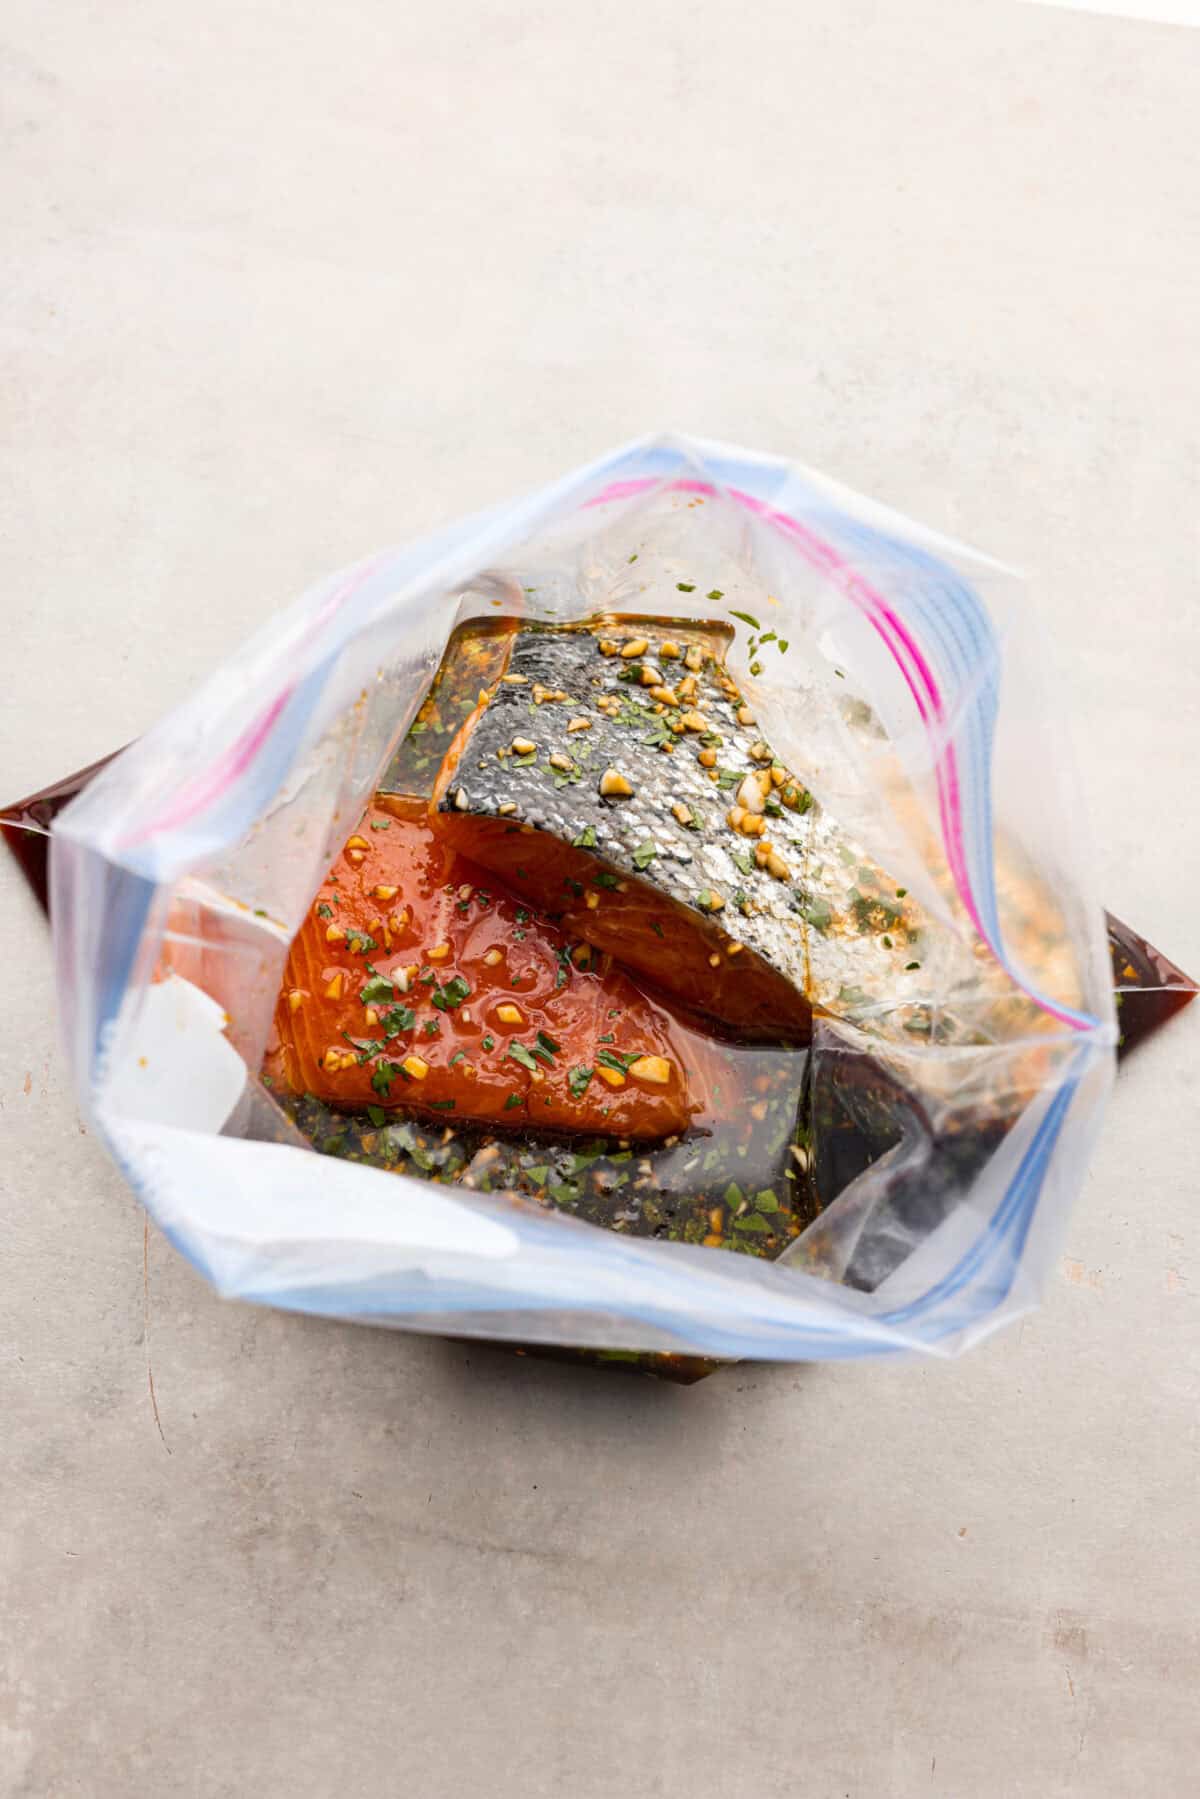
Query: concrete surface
[[284, 283]]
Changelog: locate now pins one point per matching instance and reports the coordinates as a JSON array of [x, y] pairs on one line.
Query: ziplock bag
[[914, 705]]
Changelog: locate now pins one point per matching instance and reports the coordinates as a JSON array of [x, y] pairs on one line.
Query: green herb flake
[[433, 1027], [381, 824], [733, 1195], [458, 1056], [612, 1058], [384, 1075], [540, 1174], [714, 593], [602, 878], [442, 1105], [751, 1221], [379, 987], [766, 1201], [577, 1081], [489, 1043], [377, 1115], [452, 994], [656, 927], [397, 1019], [909, 966], [644, 855], [519, 1053], [514, 1099], [901, 892], [747, 618], [548, 1043], [324, 911], [360, 944], [686, 586]]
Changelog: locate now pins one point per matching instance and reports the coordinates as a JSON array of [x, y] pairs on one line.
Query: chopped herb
[[575, 887], [380, 986], [442, 1105], [633, 558], [747, 618], [839, 674], [540, 1174], [886, 942], [766, 1201], [644, 855], [656, 927], [612, 1058], [452, 994], [384, 1075], [733, 1195], [578, 1080], [433, 1027], [751, 1221], [772, 808], [522, 761], [901, 892], [514, 1099], [743, 861], [377, 1115], [565, 967], [714, 593], [260, 912], [324, 911], [602, 878], [783, 645], [909, 966], [727, 778], [381, 824], [489, 1043], [458, 1056], [710, 740], [686, 586], [397, 1019], [520, 1054], [607, 1038], [360, 944], [767, 637], [548, 1043], [756, 668]]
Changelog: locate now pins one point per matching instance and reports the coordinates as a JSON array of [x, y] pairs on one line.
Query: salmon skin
[[415, 983], [617, 777]]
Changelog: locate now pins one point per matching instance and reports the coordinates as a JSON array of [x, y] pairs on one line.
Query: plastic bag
[[920, 712]]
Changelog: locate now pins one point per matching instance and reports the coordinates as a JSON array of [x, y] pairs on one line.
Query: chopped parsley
[[453, 993], [714, 593], [520, 1054], [548, 1043], [514, 1099], [577, 1081], [644, 855], [379, 987], [384, 1075], [397, 1019], [359, 943], [489, 1043], [747, 618], [324, 911], [602, 878], [377, 1115]]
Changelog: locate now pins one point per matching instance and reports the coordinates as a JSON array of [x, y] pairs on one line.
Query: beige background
[[288, 282]]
